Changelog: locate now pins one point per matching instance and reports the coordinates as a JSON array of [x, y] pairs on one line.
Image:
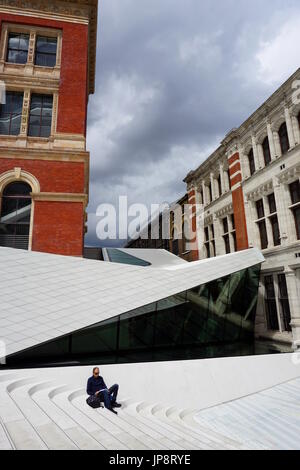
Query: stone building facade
[[168, 231], [251, 195], [47, 63]]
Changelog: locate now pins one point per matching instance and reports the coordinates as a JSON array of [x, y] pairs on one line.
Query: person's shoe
[[116, 405], [113, 411]]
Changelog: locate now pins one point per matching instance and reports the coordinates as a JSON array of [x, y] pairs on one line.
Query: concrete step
[[48, 430], [165, 436], [16, 426], [143, 438], [78, 435], [152, 412]]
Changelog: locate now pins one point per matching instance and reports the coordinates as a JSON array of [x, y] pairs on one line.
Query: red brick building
[[47, 62]]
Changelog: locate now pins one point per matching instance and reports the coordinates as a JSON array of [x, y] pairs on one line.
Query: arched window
[[15, 215], [251, 162], [266, 151], [284, 138]]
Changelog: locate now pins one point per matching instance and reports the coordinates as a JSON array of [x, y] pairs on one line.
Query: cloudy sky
[[173, 77]]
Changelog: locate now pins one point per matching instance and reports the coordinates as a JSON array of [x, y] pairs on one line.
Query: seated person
[[97, 387]]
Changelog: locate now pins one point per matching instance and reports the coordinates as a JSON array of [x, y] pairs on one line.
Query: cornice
[[67, 10], [207, 166], [60, 197], [226, 210], [260, 191], [23, 81], [37, 154]]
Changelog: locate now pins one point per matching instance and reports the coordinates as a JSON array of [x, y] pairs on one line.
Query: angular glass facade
[[212, 317]]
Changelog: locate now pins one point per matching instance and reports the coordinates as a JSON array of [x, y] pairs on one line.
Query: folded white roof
[[46, 296]]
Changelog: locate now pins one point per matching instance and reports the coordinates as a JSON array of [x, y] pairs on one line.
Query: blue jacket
[[94, 385]]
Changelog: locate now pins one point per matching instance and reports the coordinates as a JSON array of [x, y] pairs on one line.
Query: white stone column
[[213, 189], [261, 318], [226, 181], [244, 164], [260, 156], [296, 129], [204, 193], [222, 177], [292, 281], [278, 150], [271, 141], [250, 222], [255, 153], [218, 237], [282, 210], [289, 126]]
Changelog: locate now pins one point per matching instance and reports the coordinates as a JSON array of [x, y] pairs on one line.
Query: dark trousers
[[109, 397]]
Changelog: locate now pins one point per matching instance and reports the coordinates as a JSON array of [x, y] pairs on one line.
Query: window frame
[[8, 49], [38, 36], [11, 114], [42, 96]]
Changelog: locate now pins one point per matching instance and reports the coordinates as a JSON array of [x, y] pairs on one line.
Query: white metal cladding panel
[[43, 296]]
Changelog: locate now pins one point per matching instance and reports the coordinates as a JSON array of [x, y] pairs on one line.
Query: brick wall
[[58, 228], [53, 176], [238, 202]]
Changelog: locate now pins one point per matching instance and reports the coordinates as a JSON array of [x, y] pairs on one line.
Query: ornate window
[[267, 217], [17, 49], [11, 114], [40, 119], [284, 138], [266, 151], [31, 45], [15, 215]]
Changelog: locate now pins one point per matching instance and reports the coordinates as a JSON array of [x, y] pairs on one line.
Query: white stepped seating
[[40, 413], [166, 437]]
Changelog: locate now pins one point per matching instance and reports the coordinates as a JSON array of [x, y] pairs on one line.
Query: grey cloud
[[199, 60]]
